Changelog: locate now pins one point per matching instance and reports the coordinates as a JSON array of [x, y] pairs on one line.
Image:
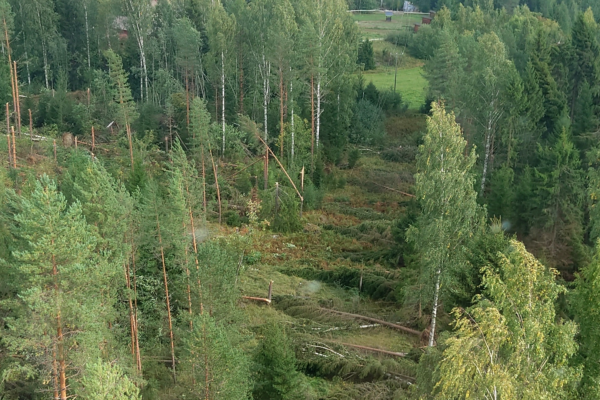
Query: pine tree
[[106, 381], [221, 369], [57, 326], [450, 214], [127, 113]]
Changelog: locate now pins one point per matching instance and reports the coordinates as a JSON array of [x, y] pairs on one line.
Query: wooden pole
[[93, 137], [18, 102], [270, 291], [54, 145], [75, 142]]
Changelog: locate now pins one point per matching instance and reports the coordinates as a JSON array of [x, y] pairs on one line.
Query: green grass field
[[410, 83], [374, 26]]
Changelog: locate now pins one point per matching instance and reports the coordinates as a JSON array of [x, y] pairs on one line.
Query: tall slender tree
[[450, 213]]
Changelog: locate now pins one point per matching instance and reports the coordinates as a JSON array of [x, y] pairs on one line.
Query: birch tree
[[221, 31], [492, 72], [450, 214], [140, 14], [511, 344]]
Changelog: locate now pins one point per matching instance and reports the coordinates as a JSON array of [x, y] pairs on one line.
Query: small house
[[416, 28], [426, 20], [388, 16], [432, 14]]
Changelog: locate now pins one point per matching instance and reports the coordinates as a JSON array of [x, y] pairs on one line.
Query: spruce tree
[[587, 309], [585, 68], [276, 376], [366, 58], [450, 213], [559, 191]]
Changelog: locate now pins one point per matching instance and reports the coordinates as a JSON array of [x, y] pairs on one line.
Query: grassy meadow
[[409, 81]]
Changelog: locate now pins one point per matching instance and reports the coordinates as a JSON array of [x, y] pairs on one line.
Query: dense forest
[[220, 199]]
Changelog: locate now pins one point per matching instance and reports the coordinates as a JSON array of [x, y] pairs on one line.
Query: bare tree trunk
[[55, 371], [266, 93], [10, 64], [436, 299], [292, 122], [162, 256], [488, 141], [203, 183], [187, 104], [128, 129], [318, 109], [62, 375], [281, 94], [18, 101], [312, 116], [135, 315], [223, 98], [241, 58], [131, 314], [87, 36]]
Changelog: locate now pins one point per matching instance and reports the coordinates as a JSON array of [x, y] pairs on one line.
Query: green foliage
[[586, 299], [366, 57], [61, 279], [509, 344], [221, 368], [367, 124], [281, 207], [353, 157], [105, 381], [450, 213], [275, 375]]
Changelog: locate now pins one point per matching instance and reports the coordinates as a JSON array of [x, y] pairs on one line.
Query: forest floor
[[344, 245]]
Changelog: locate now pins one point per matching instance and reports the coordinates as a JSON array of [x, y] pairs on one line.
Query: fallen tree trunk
[[257, 299], [372, 349], [375, 320]]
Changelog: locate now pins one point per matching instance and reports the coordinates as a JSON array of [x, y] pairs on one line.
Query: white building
[[409, 7]]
